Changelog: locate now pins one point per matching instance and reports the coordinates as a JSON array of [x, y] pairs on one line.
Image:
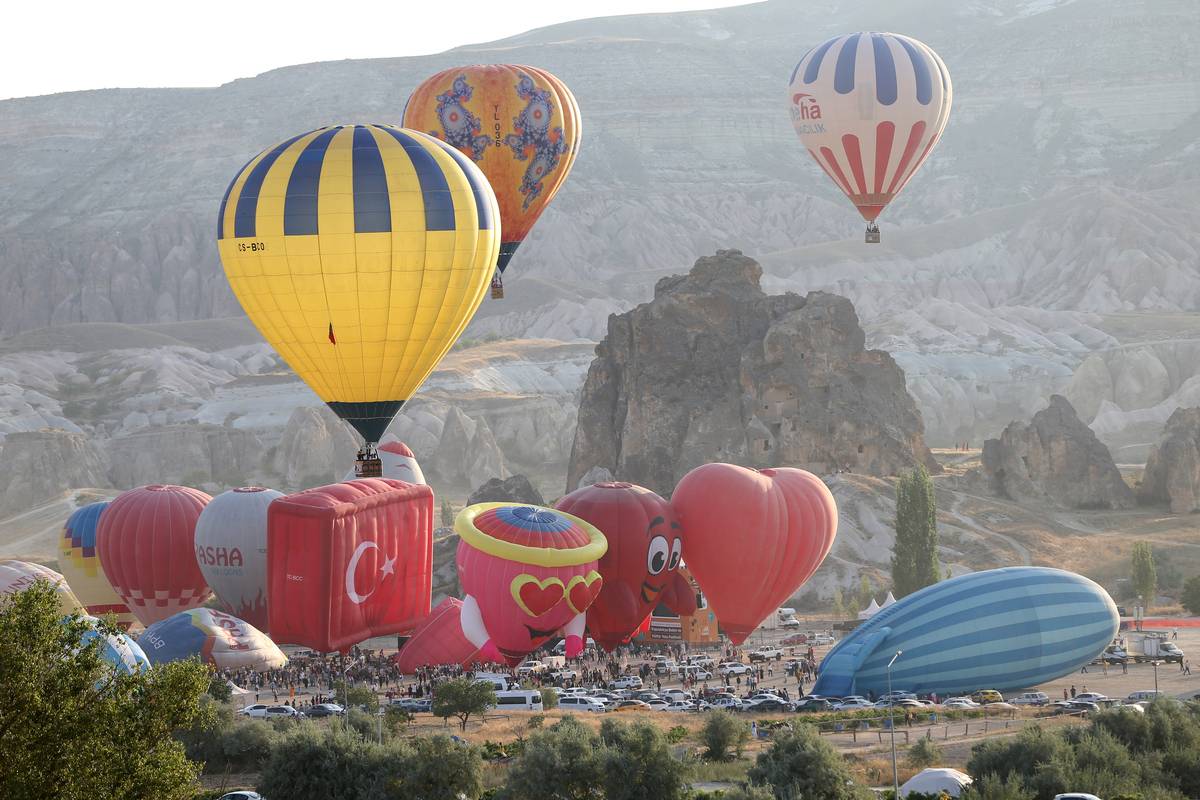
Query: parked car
[[812, 704], [902, 702], [631, 705], [726, 702], [675, 695], [245, 794], [987, 696], [1143, 695], [657, 705], [765, 654], [960, 703], [681, 705], [733, 668], [696, 673], [794, 639], [791, 623], [581, 703], [1074, 707], [531, 667], [256, 710], [822, 639], [1031, 699], [853, 704], [626, 682], [1090, 697], [281, 711], [326, 710], [770, 705]]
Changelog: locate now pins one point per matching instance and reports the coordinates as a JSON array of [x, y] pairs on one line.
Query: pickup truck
[[766, 654]]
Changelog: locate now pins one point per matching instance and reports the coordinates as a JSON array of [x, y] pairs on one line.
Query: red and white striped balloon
[[870, 107]]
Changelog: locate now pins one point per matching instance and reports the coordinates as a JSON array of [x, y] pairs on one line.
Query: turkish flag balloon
[[640, 569], [349, 561], [754, 536], [146, 543]]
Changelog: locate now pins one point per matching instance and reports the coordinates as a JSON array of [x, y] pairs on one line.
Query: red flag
[[331, 339]]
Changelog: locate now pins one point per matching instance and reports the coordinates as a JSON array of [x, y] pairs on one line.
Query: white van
[[499, 682], [519, 700], [1144, 696], [581, 703]]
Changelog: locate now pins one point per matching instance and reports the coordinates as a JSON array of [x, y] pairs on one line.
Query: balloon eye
[[656, 557], [676, 554]]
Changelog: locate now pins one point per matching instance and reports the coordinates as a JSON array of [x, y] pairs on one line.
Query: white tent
[[869, 611], [936, 781], [891, 598]]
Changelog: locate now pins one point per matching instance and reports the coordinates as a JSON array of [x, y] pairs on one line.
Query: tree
[[559, 763], [839, 604], [925, 753], [72, 728], [432, 768], [1144, 578], [549, 699], [915, 556], [447, 514], [462, 697], [865, 592], [1191, 595], [636, 762], [802, 764], [721, 734]]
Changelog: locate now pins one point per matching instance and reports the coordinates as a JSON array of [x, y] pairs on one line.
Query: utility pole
[[892, 725]]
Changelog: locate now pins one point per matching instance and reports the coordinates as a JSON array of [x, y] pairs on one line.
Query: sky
[[61, 47]]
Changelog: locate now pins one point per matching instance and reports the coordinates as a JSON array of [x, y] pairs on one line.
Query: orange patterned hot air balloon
[[519, 124]]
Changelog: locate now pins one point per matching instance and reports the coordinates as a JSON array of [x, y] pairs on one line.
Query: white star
[[389, 566]]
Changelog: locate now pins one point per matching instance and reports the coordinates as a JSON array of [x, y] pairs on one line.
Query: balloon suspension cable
[[368, 464], [497, 286], [872, 236]]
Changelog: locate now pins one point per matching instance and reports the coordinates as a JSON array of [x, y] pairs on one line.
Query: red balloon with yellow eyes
[[528, 572], [640, 569]]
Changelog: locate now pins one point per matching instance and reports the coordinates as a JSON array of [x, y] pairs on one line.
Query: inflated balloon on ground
[[527, 572], [754, 537], [215, 638], [640, 568], [122, 653], [231, 549], [17, 576], [79, 564], [146, 542]]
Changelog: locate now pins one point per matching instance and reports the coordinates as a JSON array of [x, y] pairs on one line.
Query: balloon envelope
[[438, 640], [870, 107], [754, 537], [349, 561], [214, 637], [520, 124], [17, 576], [146, 543], [81, 566], [360, 252], [123, 654], [526, 572], [641, 568], [231, 549]]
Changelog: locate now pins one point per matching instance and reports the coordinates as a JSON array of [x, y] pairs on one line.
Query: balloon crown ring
[[569, 540]]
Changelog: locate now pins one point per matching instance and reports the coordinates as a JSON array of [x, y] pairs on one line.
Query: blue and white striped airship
[[1001, 629]]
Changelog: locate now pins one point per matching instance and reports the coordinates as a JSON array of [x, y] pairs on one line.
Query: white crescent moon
[[354, 596]]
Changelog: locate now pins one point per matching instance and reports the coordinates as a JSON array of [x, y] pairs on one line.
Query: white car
[[676, 695], [626, 682], [822, 638], [256, 710], [730, 703], [853, 704], [581, 703], [766, 654], [681, 705], [695, 673], [281, 711], [960, 703], [1090, 697], [564, 675], [531, 668], [765, 696], [1031, 699], [658, 705], [733, 668], [791, 623]]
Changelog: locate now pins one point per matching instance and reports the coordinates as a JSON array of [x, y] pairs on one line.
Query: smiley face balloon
[[640, 569], [527, 572]]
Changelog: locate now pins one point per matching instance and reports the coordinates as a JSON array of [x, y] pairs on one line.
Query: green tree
[[447, 514], [925, 753], [431, 768], [71, 728], [1143, 576], [549, 699], [723, 736], [396, 720], [636, 762], [992, 787], [559, 763], [311, 764], [356, 696], [865, 592], [839, 605], [1191, 595], [801, 764], [218, 689], [462, 698], [915, 556]]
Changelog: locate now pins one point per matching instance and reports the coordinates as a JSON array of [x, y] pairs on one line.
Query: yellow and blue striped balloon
[[360, 252]]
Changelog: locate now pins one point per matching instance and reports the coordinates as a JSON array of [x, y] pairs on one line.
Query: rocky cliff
[[40, 465], [1054, 458], [1173, 470], [714, 369]]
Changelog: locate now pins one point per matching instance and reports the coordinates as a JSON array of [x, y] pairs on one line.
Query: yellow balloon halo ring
[[526, 534]]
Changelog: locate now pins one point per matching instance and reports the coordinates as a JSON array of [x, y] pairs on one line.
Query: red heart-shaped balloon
[[539, 597], [583, 591], [753, 537]]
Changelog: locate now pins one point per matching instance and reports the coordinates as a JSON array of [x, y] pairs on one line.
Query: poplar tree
[[914, 558]]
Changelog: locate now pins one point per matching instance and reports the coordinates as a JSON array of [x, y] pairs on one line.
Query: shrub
[[722, 734], [218, 689], [535, 721], [677, 734], [636, 763], [925, 753], [549, 699], [802, 764]]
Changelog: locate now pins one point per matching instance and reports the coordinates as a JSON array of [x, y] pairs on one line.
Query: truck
[[554, 662], [786, 613], [1159, 648]]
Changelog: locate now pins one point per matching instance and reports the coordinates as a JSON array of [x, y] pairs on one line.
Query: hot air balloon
[[397, 462], [146, 543], [520, 124], [438, 640], [17, 576], [349, 561], [360, 252], [754, 536], [214, 637], [870, 107], [641, 568], [118, 650], [231, 549], [527, 572], [81, 567]]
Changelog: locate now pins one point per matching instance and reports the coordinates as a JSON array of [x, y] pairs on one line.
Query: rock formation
[[41, 465], [516, 489], [445, 569], [467, 453], [1055, 458], [316, 448], [1173, 468], [713, 369], [208, 457]]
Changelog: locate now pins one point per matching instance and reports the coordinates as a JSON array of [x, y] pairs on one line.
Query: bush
[[925, 753], [802, 764], [535, 721], [559, 763], [721, 734], [992, 787], [396, 720], [361, 723], [677, 734], [549, 699], [636, 763], [218, 689]]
